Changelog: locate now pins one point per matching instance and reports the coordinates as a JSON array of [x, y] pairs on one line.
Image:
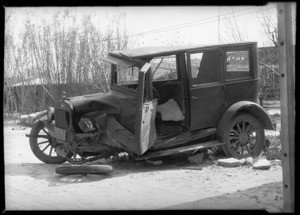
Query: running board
[[173, 151]]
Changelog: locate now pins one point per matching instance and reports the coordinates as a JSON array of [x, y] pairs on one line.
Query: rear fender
[[246, 107]]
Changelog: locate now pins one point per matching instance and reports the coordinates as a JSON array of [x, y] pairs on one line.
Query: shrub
[[274, 150]]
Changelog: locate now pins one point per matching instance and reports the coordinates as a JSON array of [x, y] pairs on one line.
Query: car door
[[145, 132], [205, 87], [240, 74]]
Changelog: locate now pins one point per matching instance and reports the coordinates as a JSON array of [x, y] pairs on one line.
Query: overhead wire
[[189, 24]]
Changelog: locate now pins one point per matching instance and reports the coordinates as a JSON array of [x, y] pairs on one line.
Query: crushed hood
[[99, 102]]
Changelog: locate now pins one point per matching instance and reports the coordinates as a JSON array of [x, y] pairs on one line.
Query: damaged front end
[[103, 124]]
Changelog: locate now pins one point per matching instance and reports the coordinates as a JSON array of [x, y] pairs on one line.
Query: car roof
[[152, 51]]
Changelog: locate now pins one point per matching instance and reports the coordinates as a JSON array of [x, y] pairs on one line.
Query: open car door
[[145, 132]]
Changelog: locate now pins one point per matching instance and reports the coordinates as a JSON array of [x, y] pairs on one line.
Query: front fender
[[247, 107], [49, 126]]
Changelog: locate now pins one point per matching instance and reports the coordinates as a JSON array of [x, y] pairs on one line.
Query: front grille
[[62, 119]]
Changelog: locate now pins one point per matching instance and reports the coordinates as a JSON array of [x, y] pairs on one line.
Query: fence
[[27, 99]]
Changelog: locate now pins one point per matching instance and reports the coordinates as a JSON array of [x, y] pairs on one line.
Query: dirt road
[[33, 185]]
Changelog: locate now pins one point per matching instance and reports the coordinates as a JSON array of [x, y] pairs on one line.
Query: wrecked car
[[162, 101]]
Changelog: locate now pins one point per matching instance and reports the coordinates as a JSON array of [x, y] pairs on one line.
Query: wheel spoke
[[42, 136], [248, 149], [238, 143], [50, 151], [238, 125], [45, 131], [251, 130], [46, 147], [47, 141], [236, 132], [233, 137], [243, 127], [242, 149], [249, 125], [235, 142]]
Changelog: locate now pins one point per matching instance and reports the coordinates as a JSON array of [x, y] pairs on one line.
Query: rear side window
[[205, 67], [237, 65]]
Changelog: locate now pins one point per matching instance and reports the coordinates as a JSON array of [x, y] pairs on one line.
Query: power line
[[189, 24]]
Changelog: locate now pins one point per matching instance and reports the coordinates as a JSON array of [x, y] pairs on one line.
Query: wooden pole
[[287, 100]]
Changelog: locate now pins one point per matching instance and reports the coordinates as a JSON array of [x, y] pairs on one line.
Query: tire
[[42, 145], [84, 169], [243, 137]]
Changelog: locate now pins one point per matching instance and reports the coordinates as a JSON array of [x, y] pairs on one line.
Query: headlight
[[50, 114], [86, 125]]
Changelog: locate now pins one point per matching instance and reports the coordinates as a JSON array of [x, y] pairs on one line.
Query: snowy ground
[[33, 185]]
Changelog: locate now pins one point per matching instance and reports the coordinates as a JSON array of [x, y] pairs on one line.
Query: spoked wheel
[[243, 137], [42, 144], [84, 169]]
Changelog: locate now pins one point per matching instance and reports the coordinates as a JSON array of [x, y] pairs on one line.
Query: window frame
[[114, 84], [251, 75], [189, 69], [176, 68]]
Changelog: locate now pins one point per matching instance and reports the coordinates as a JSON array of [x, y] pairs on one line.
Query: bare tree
[[269, 26], [233, 33], [64, 55]]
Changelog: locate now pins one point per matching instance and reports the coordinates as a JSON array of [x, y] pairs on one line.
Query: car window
[[205, 67], [164, 68], [127, 76], [237, 65]]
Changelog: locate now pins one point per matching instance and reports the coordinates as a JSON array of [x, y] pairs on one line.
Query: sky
[[164, 25]]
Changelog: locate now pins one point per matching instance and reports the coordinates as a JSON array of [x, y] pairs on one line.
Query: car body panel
[[208, 101]]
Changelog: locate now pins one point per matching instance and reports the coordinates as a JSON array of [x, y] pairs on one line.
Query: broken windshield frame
[[125, 77]]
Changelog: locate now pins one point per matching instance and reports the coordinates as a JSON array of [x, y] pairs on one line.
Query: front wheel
[[42, 144], [84, 169], [243, 137]]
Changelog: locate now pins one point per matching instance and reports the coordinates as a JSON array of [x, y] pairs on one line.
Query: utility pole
[[219, 25], [287, 102]]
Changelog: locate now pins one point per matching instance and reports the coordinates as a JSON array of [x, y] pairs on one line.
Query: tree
[[269, 27], [233, 33], [63, 53]]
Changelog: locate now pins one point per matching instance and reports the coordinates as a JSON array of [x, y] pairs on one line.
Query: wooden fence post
[[287, 100]]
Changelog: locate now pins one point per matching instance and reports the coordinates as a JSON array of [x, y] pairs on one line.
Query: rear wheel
[[84, 169], [42, 144], [243, 137]]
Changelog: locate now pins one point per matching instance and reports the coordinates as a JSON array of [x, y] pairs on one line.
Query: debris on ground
[[249, 161], [229, 162], [23, 119], [193, 167], [242, 161], [276, 162], [196, 159], [263, 164], [32, 118]]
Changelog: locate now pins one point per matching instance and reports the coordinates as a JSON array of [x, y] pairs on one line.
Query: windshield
[[125, 76]]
